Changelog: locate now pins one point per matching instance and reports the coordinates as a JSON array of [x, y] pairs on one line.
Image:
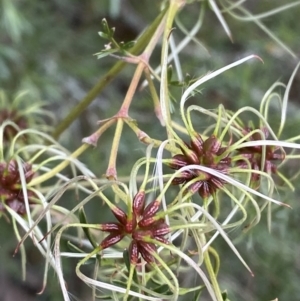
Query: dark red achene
[[142, 225]]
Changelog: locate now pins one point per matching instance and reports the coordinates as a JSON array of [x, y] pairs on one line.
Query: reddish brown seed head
[[254, 155], [140, 225], [11, 191], [201, 152]]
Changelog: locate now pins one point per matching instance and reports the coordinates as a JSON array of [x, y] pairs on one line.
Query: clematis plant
[[185, 193]]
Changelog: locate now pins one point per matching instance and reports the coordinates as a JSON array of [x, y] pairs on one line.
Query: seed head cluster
[[254, 155], [207, 153], [142, 225], [11, 192], [210, 153]]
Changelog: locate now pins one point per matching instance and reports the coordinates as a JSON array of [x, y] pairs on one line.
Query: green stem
[[153, 42], [147, 140], [52, 173], [212, 276], [215, 254], [104, 81], [123, 112], [111, 172], [175, 6], [143, 61], [155, 97]]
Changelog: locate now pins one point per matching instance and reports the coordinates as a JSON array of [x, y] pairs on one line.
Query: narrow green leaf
[[197, 294], [105, 53], [103, 35], [104, 297], [120, 283], [83, 220], [75, 249], [163, 289], [225, 296], [71, 247], [127, 45], [109, 31], [197, 290]]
